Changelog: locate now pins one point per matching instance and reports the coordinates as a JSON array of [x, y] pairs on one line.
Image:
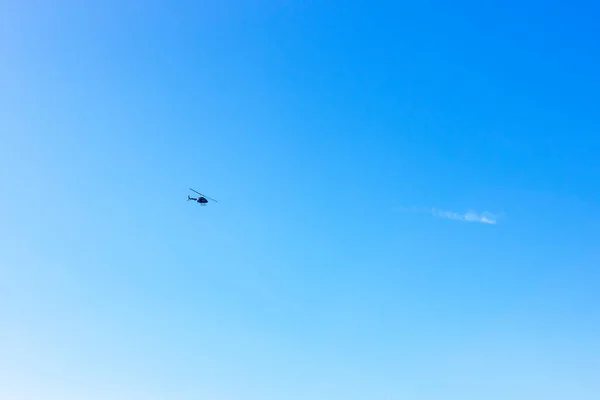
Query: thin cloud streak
[[469, 216]]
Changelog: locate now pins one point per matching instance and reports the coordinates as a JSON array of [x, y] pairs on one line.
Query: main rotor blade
[[203, 195]]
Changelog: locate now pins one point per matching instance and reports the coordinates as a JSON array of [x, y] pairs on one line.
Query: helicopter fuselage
[[200, 200]]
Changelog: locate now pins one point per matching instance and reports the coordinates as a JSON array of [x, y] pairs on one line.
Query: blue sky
[[408, 200]]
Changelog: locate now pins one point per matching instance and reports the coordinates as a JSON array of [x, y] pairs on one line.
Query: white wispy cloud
[[484, 217]]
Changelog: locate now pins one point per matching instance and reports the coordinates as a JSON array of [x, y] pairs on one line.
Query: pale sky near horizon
[[408, 200]]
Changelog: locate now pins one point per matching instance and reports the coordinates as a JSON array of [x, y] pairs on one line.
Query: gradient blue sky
[[352, 148]]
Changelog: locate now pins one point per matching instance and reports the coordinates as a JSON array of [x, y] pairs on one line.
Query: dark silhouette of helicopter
[[201, 199]]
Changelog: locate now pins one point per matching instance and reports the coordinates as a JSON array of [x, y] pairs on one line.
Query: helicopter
[[202, 199]]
